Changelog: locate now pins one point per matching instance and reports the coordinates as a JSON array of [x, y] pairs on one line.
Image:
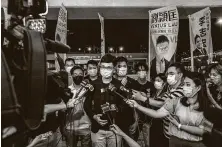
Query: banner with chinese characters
[[61, 32], [200, 39], [163, 32], [102, 35]]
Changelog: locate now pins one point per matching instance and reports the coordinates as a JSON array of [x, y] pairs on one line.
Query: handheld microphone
[[83, 83], [113, 89], [87, 87]]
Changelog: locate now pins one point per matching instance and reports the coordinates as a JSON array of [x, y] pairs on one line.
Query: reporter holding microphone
[[185, 115], [77, 124]]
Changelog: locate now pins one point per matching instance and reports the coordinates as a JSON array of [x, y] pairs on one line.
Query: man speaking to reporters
[[102, 107]]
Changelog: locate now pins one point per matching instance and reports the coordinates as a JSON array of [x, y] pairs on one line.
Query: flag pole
[[191, 51], [149, 36]]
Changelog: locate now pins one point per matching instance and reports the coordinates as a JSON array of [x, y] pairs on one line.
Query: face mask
[[77, 79], [92, 72], [158, 85], [106, 73], [142, 74], [68, 69], [122, 71], [189, 91], [171, 79]]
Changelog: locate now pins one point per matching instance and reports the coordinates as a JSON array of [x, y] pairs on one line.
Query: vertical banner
[[102, 35], [201, 47], [61, 32], [163, 32]]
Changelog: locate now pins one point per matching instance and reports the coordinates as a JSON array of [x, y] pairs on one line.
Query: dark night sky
[[128, 33]]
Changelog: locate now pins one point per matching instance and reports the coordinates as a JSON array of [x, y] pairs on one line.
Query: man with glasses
[[174, 74], [102, 106]]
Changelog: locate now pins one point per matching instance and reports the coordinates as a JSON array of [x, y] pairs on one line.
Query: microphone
[[87, 86], [113, 89], [124, 81], [125, 89], [83, 83]]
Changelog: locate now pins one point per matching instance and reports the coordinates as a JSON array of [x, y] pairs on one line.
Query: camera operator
[[97, 105], [48, 134], [77, 125]]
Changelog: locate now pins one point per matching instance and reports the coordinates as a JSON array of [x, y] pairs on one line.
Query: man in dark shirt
[[94, 106], [146, 88], [92, 71], [126, 113]]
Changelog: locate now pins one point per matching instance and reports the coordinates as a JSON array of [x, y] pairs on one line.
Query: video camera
[[25, 80]]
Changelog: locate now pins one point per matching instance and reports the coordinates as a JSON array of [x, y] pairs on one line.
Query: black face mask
[[77, 79]]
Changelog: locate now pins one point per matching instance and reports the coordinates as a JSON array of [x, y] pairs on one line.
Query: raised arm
[[150, 112]]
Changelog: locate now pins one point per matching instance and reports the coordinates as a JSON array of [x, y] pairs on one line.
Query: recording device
[[25, 81]]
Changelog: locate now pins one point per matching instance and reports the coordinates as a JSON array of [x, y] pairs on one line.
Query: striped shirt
[[170, 94]]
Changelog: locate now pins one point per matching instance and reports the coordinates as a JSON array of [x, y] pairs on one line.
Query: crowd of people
[[176, 108]]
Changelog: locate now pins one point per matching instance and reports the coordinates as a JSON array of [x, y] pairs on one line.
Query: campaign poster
[[163, 33], [200, 39]]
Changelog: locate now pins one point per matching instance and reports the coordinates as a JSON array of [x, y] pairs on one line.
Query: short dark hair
[[75, 68], [93, 62], [143, 64], [107, 58], [195, 39], [120, 59], [179, 67], [69, 59], [161, 76], [161, 39]]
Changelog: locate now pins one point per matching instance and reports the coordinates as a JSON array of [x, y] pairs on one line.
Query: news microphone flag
[[102, 35], [61, 32]]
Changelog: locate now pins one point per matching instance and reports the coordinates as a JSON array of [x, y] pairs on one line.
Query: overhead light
[[89, 49], [111, 49], [219, 21], [121, 48]]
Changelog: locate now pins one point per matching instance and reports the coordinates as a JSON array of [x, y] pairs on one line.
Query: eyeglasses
[[106, 67]]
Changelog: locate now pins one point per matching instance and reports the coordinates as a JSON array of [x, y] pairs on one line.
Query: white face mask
[[158, 85], [68, 69], [189, 92], [171, 79], [105, 73], [92, 72], [142, 74], [122, 71]]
